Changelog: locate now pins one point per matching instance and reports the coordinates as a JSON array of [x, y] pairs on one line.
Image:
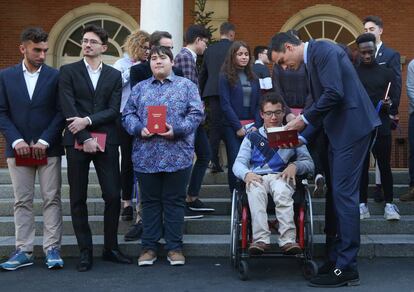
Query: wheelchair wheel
[[243, 270], [309, 269], [308, 227], [234, 232]]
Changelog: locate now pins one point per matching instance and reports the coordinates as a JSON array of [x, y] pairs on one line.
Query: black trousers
[[107, 169], [127, 169], [381, 149], [215, 132]]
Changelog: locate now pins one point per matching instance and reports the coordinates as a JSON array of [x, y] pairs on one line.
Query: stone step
[[215, 224], [207, 191], [222, 206], [400, 177], [380, 245]]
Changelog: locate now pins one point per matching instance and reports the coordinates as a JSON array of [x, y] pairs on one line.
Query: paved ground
[[201, 274]]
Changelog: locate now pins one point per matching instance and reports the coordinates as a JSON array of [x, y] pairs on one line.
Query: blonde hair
[[134, 43]]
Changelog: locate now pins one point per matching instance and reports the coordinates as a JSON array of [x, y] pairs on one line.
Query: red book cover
[[278, 136], [99, 137], [29, 161], [157, 117]]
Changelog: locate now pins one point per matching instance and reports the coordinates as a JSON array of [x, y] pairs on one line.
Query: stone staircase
[[210, 236]]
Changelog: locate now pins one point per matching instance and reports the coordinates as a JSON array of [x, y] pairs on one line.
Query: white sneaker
[[391, 212], [319, 185], [363, 211]]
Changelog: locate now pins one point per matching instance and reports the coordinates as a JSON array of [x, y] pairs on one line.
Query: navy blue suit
[[344, 109], [31, 119]]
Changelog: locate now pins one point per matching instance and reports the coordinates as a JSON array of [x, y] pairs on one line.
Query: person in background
[[239, 91], [136, 48], [260, 67]]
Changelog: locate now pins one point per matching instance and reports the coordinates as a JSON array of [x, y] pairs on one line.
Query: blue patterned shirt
[[184, 113]]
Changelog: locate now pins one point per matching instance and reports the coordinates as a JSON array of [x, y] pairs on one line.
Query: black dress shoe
[[127, 213], [85, 261], [134, 233], [215, 168], [326, 268], [116, 256], [336, 278]]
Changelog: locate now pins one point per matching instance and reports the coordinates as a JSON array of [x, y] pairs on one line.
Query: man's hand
[[91, 146], [296, 124], [290, 117], [145, 133], [22, 149], [252, 178], [78, 124], [241, 132], [289, 173], [39, 150], [170, 132]]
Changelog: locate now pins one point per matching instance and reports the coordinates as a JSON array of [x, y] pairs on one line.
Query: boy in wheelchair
[[271, 170]]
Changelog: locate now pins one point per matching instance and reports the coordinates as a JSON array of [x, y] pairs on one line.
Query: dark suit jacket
[[231, 101], [79, 99], [390, 58], [142, 71], [213, 59], [261, 70], [30, 120], [341, 103]]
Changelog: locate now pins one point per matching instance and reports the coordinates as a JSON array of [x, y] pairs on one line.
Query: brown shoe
[[258, 248], [291, 248], [147, 258], [176, 258], [409, 196]]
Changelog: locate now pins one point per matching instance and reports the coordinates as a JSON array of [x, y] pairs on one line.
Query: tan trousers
[[23, 180], [282, 196]]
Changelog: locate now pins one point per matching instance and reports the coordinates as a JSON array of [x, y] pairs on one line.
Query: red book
[[278, 136], [29, 161], [98, 137], [157, 118]]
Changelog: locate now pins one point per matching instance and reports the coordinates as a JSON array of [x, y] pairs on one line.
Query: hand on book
[[39, 150], [77, 125], [170, 132], [296, 124], [92, 146], [291, 145], [22, 149], [145, 133]]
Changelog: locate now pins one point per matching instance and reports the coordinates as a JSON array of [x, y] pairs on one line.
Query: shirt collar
[[378, 48], [192, 53], [305, 53], [25, 69], [259, 62], [170, 78], [90, 68]]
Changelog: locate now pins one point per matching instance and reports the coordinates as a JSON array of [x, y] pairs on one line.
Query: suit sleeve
[[256, 110], [395, 65], [133, 76], [224, 92], [330, 77], [202, 78], [7, 127]]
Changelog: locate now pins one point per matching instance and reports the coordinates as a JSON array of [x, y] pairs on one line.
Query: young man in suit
[[90, 94], [196, 37], [391, 59], [32, 124], [260, 67], [342, 106], [209, 74]]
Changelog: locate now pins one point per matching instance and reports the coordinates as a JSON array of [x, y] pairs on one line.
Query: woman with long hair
[[239, 91]]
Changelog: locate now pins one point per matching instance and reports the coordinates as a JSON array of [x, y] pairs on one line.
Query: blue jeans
[[163, 201], [411, 149], [203, 153], [233, 143]]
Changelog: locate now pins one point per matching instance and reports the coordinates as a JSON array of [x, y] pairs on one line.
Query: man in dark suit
[[90, 94], [390, 58], [260, 67], [209, 75], [32, 124], [143, 71], [343, 107]]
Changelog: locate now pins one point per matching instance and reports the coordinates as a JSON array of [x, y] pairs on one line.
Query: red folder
[[99, 137], [157, 117], [29, 161], [277, 136]]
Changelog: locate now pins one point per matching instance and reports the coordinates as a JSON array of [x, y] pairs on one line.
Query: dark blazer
[[261, 70], [231, 101], [79, 99], [390, 58], [213, 59], [341, 103], [30, 120], [142, 71]]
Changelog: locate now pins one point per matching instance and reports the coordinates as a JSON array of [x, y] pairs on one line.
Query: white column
[[167, 15]]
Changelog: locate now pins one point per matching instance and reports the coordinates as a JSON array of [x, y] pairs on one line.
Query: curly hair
[[229, 67], [134, 44]]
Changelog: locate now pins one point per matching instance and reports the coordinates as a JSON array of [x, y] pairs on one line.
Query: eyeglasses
[[167, 47], [145, 48], [92, 42], [270, 113]]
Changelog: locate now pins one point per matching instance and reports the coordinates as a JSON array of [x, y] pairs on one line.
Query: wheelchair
[[241, 230]]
